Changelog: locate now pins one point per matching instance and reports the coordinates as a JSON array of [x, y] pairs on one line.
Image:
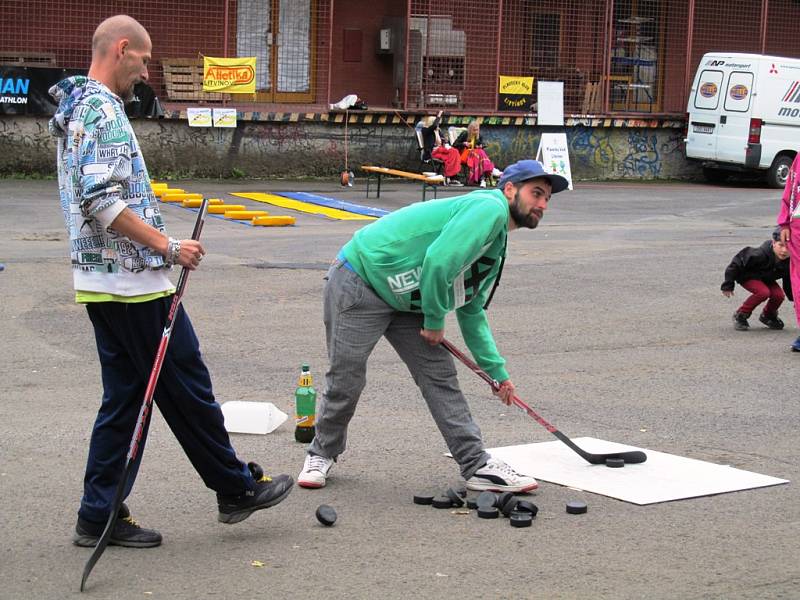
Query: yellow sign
[[515, 93], [515, 85], [229, 75]]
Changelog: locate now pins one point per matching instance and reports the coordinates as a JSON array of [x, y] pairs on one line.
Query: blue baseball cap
[[524, 170]]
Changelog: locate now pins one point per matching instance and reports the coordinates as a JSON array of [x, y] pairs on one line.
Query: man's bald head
[[121, 50], [117, 28]]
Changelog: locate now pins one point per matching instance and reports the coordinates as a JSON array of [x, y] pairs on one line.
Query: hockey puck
[[455, 497], [528, 507], [486, 499], [326, 515], [576, 507], [472, 502], [442, 502], [502, 499], [520, 519], [615, 463], [255, 470], [425, 499], [489, 512], [510, 506]]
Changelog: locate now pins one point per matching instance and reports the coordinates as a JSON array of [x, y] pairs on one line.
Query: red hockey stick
[[147, 405]]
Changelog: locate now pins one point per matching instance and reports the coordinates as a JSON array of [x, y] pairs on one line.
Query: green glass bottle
[[305, 403]]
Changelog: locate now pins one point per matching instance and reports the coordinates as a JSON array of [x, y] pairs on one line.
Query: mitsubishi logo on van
[[772, 69]]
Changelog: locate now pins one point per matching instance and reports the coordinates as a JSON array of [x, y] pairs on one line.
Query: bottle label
[[304, 420]]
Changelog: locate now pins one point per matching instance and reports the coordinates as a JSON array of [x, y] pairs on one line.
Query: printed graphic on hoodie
[[99, 166]]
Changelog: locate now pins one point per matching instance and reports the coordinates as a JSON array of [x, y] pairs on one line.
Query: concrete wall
[[599, 148]]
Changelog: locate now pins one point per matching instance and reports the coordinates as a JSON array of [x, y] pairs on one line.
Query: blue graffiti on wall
[[643, 159], [593, 148]]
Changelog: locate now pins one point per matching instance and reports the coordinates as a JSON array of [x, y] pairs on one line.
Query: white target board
[[662, 478]]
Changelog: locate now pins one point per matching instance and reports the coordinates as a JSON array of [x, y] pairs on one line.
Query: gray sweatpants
[[355, 319]]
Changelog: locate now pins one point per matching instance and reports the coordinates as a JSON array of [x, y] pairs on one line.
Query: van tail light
[[754, 135]]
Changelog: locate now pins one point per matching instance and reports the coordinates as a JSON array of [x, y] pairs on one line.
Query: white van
[[744, 115]]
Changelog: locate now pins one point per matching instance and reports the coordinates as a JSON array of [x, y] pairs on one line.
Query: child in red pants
[[757, 270]]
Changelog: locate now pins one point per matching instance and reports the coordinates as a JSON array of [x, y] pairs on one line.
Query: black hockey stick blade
[[102, 543], [632, 456], [629, 456]]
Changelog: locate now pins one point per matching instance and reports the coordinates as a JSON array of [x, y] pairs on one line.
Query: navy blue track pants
[[128, 335]]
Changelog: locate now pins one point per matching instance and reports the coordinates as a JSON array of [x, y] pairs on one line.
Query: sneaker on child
[[268, 491], [772, 321], [315, 471], [126, 532], [796, 345], [740, 321], [483, 182], [497, 476]]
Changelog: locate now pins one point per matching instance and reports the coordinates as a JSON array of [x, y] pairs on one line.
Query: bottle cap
[[305, 367]]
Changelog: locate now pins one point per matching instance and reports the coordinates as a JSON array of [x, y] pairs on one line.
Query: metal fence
[[613, 56]]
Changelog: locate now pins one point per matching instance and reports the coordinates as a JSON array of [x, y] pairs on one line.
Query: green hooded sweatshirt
[[438, 256]]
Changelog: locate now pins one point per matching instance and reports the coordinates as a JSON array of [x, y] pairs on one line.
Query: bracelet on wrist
[[173, 251]]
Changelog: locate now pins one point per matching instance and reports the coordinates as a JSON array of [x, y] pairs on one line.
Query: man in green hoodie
[[399, 277]]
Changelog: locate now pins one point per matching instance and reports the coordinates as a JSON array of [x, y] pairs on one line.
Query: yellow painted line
[[305, 207]]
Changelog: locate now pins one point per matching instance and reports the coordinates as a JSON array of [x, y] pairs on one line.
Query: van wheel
[[715, 175], [779, 171]]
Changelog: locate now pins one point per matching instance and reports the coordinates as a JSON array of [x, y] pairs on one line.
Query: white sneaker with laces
[[497, 476], [497, 173], [315, 471], [483, 183]]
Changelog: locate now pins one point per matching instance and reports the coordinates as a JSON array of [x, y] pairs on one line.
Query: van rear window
[[740, 90], [709, 86]]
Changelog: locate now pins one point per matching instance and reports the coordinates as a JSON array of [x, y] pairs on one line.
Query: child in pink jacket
[[789, 221]]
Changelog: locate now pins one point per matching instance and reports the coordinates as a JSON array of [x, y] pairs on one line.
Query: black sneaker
[[772, 321], [268, 491], [126, 532], [740, 321]]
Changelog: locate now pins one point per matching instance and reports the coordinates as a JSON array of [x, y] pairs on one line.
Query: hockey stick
[[632, 456], [147, 403]]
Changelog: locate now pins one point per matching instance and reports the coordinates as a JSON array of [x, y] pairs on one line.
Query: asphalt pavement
[[613, 325]]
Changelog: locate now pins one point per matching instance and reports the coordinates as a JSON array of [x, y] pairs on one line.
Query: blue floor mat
[[334, 203]]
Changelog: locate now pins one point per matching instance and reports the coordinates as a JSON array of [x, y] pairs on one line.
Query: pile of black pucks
[[489, 505]]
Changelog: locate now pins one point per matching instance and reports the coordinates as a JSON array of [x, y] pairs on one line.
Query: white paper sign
[[550, 103], [553, 153], [224, 117], [199, 117]]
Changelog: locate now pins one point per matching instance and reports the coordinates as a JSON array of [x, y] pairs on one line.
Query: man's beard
[[129, 96], [523, 219]]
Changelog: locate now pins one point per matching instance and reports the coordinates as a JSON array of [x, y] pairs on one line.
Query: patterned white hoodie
[[100, 172]]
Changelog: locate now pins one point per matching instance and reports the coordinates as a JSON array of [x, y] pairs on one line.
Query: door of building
[[280, 34]]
